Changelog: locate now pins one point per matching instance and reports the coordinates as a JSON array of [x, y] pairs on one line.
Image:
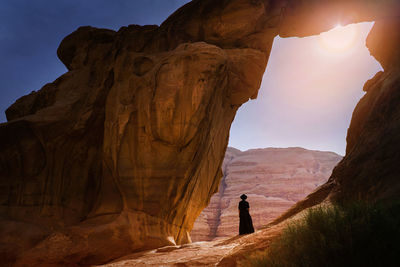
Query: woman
[[245, 224]]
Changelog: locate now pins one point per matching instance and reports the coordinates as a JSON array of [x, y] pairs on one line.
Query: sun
[[339, 39]]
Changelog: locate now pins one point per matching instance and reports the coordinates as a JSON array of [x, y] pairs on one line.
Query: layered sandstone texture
[[274, 179], [123, 151]]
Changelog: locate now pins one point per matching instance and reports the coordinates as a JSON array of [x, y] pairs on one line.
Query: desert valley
[[274, 180]]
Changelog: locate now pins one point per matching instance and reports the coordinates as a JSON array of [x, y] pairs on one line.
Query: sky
[[31, 30], [308, 92]]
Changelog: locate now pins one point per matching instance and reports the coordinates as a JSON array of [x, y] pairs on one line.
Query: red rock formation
[[123, 151], [274, 179]]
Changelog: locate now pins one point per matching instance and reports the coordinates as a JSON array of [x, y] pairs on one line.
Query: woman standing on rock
[[245, 224]]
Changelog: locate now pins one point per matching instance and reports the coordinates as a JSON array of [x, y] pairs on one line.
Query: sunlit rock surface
[[123, 151], [274, 179], [129, 149]]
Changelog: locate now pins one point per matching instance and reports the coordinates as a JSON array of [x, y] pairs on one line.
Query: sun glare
[[340, 38]]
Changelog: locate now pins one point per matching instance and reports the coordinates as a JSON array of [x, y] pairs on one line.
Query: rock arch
[[123, 151]]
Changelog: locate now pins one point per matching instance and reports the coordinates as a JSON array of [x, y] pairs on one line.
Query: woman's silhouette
[[245, 224]]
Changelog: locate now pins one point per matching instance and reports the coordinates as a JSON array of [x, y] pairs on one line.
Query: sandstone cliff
[[123, 151], [274, 179]]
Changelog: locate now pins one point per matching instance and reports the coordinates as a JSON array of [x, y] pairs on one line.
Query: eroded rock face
[[123, 151], [274, 179], [371, 165], [133, 144]]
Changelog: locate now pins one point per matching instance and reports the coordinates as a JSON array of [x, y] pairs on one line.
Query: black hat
[[243, 196]]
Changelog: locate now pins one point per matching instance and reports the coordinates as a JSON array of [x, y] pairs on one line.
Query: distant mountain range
[[273, 179]]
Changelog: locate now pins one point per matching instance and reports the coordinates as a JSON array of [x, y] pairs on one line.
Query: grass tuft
[[350, 235]]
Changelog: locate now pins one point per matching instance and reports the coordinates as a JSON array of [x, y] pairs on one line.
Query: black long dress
[[245, 224]]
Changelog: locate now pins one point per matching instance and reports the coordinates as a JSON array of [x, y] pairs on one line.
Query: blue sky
[[306, 98], [31, 30]]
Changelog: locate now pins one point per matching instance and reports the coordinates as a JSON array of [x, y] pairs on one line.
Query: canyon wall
[[274, 179], [370, 169], [123, 151]]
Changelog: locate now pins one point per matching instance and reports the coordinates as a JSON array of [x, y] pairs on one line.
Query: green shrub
[[350, 235]]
